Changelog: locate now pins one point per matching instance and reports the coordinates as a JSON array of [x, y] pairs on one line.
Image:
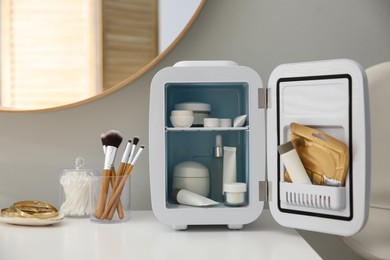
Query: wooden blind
[[129, 38], [53, 51], [48, 51]]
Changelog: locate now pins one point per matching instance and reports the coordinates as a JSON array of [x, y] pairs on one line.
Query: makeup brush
[[112, 174], [123, 163], [113, 140], [104, 145], [114, 199], [125, 158], [132, 153], [116, 178]]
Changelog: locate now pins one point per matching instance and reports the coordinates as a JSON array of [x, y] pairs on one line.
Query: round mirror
[[57, 53]]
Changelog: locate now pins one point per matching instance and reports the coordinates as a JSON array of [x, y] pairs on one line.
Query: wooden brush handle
[[113, 180], [114, 206], [117, 192], [120, 172], [100, 206]]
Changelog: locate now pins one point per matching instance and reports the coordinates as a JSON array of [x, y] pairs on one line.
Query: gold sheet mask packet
[[324, 157]]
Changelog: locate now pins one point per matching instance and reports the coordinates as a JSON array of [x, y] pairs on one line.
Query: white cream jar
[[192, 176], [200, 111], [234, 193]]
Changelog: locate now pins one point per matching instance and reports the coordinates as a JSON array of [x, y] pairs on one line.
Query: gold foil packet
[[325, 158]]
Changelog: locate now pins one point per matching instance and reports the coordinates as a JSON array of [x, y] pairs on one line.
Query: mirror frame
[[125, 82]]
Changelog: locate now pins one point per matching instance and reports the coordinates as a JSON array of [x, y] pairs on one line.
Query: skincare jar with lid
[[200, 110], [192, 176], [234, 194], [182, 118]]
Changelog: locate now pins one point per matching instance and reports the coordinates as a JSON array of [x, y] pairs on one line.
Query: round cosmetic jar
[[225, 122], [200, 110], [211, 122], [234, 193], [182, 121], [182, 118], [192, 176]]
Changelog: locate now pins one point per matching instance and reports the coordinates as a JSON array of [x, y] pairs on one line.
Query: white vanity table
[[144, 237]]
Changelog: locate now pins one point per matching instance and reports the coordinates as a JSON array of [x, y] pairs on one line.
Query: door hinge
[[264, 191], [263, 99]]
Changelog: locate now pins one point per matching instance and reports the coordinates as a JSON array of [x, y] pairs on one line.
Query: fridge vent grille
[[314, 196], [308, 200]]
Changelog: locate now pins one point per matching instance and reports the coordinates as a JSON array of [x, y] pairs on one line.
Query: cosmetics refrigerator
[[328, 95]]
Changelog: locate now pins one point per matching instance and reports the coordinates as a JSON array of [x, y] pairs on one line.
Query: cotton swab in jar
[[75, 186]]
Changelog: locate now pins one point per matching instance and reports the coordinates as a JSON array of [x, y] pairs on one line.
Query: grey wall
[[256, 33]]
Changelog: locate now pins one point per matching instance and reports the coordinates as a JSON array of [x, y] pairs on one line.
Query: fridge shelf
[[205, 129], [313, 196], [219, 207]]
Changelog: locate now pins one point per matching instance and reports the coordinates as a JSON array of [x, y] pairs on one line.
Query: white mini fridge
[[329, 95]]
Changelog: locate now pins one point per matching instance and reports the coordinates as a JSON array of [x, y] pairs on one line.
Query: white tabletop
[[144, 237]]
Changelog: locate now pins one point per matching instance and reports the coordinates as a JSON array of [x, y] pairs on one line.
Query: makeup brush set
[[109, 188]]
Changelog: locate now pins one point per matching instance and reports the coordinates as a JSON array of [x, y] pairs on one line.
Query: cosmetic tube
[[293, 164], [190, 198], [229, 165]]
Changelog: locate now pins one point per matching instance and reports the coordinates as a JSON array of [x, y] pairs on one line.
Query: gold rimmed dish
[[32, 221]]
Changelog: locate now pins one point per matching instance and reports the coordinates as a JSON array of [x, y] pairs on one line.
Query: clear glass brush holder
[[110, 199]]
